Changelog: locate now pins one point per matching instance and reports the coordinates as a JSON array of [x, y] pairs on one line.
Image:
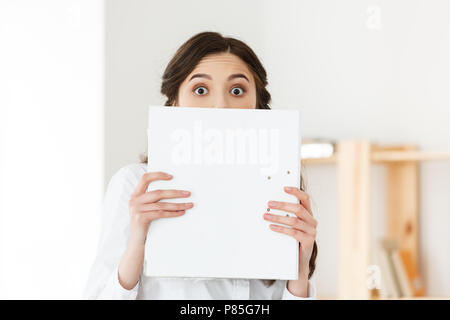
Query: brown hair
[[186, 59]]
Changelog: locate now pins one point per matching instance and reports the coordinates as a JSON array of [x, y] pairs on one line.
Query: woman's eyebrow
[[231, 77], [238, 75], [201, 75]]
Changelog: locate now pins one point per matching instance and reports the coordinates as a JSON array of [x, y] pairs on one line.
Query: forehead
[[223, 62]]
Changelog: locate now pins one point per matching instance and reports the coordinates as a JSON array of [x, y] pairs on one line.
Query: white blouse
[[103, 282]]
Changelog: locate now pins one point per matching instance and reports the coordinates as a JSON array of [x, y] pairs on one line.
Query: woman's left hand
[[302, 227]]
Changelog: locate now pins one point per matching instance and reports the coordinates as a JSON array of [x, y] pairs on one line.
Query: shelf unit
[[353, 159]]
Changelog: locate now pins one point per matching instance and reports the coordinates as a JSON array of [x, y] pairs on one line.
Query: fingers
[[146, 217], [296, 208], [156, 195], [148, 177], [296, 234], [293, 222], [302, 196], [166, 206], [168, 214]]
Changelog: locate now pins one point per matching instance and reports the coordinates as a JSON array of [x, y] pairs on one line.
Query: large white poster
[[233, 161]]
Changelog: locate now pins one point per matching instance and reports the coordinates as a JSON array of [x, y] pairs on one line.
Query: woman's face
[[219, 81]]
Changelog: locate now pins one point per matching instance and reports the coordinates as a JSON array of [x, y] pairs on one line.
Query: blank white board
[[233, 161]]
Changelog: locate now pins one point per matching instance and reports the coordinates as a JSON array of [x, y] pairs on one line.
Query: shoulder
[[133, 170], [129, 175]]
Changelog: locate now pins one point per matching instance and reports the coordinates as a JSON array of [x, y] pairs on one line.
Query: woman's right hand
[[145, 206]]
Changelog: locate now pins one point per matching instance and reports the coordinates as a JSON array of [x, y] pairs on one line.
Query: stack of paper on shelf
[[399, 276]]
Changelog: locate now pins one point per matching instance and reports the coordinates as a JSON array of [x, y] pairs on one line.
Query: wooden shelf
[[387, 156], [394, 156], [328, 160], [353, 159]]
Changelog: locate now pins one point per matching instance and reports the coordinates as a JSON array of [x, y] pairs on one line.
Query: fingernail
[[288, 188], [190, 205], [185, 192], [273, 203], [169, 175]]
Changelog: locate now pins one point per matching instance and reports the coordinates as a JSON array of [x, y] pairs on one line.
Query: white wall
[[355, 68], [51, 145]]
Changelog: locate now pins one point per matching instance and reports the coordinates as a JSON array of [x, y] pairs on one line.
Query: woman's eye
[[237, 91], [201, 91]]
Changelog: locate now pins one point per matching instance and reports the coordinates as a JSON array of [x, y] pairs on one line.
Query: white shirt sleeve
[[103, 281], [287, 295]]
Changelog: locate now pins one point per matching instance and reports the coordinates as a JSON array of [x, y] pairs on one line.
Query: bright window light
[[51, 146]]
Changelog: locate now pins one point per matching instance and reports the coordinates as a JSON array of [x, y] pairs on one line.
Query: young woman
[[208, 70]]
